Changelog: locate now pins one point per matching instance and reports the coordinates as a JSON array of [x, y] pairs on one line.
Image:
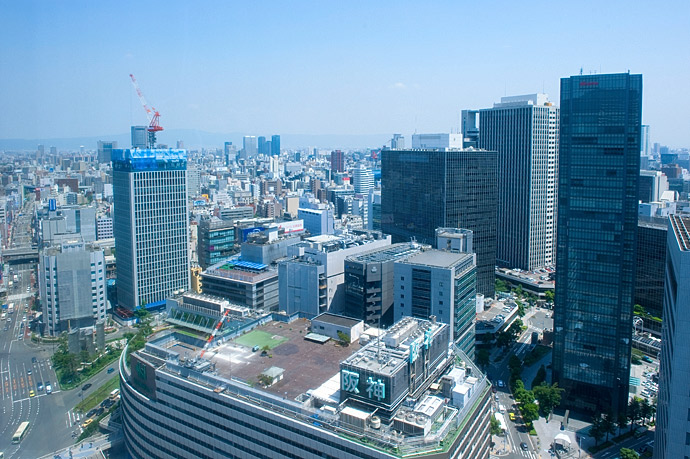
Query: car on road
[[500, 383], [39, 386], [32, 393], [110, 370], [86, 386], [33, 360], [86, 423], [28, 372], [524, 446], [91, 413], [99, 411], [511, 415], [49, 389]]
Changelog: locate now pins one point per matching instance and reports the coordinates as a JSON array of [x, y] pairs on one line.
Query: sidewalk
[[502, 446], [576, 431]]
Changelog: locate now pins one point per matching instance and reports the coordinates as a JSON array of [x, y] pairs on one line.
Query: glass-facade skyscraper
[[597, 230], [422, 190], [672, 426], [150, 225], [275, 145]]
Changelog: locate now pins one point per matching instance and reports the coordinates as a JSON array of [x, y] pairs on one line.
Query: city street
[[509, 444], [24, 365]]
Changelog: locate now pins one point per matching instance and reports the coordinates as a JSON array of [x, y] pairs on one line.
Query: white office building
[[364, 179], [524, 131], [436, 141], [72, 286]]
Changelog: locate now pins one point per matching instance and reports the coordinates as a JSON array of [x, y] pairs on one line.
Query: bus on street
[[21, 432]]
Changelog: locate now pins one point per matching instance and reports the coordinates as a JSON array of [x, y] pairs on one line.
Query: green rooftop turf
[[261, 339]]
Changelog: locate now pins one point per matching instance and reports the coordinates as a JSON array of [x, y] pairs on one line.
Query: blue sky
[[324, 67]]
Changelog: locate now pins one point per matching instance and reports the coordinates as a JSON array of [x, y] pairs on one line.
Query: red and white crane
[[151, 113], [213, 333]]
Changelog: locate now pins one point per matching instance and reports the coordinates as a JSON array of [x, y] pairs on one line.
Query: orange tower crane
[[151, 113], [213, 334]]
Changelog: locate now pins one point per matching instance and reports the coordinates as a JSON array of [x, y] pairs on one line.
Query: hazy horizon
[[323, 69]]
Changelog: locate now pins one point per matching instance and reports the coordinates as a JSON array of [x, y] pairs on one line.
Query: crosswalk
[[73, 418]]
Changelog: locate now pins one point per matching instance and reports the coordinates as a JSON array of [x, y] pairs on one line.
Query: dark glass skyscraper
[[422, 190], [597, 230]]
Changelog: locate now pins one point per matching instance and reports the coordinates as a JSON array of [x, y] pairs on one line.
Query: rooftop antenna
[[580, 70]]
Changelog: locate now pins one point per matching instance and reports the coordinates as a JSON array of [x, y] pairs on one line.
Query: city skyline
[[354, 69]]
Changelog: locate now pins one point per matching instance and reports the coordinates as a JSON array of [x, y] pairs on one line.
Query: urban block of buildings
[[402, 393]]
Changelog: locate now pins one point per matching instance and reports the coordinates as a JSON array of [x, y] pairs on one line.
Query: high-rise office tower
[[105, 150], [469, 123], [597, 230], [337, 161], [422, 190], [249, 147], [364, 179], [140, 138], [649, 268], [397, 142], [524, 132], [261, 145], [150, 225], [673, 410], [275, 145]]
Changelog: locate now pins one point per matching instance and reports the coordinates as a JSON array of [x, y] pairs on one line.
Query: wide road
[[23, 365], [536, 320]]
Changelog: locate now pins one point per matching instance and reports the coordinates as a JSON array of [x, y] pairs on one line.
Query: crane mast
[[213, 334]]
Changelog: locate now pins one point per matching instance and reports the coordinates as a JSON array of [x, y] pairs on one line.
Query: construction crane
[[213, 333], [151, 113]]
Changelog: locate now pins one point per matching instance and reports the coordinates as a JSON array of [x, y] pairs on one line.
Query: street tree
[[634, 412], [483, 357], [596, 430], [549, 397], [495, 426], [530, 412], [622, 421], [608, 425], [627, 453]]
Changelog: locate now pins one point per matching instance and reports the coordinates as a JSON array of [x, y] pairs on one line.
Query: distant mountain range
[[194, 139]]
